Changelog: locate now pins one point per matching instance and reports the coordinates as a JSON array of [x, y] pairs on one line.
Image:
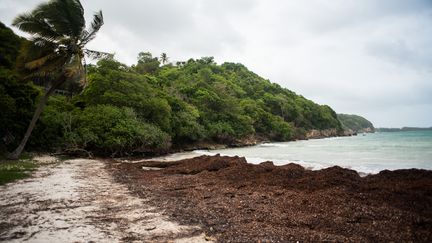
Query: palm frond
[[37, 50], [98, 54], [66, 17], [39, 62], [32, 23], [59, 36], [95, 26], [74, 12], [44, 43], [50, 68]]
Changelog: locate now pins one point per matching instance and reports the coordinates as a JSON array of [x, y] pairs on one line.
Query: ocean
[[369, 153]]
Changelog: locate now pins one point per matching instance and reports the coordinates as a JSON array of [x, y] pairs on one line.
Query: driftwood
[[75, 152]]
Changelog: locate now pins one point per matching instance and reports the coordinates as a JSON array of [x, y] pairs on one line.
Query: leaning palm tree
[[56, 50]]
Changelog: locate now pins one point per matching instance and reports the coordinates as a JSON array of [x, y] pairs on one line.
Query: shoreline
[[175, 157], [203, 145], [362, 170], [254, 140], [248, 142]]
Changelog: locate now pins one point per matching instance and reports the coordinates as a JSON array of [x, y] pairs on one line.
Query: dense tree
[[114, 130], [355, 123], [17, 96], [57, 48], [147, 64], [146, 107], [9, 47], [17, 101]]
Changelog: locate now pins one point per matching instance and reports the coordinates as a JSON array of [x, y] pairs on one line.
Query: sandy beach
[[78, 201]]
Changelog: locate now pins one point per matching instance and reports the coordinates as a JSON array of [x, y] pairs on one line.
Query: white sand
[[78, 201]]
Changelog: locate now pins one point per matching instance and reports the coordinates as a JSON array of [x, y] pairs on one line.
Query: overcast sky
[[366, 57]]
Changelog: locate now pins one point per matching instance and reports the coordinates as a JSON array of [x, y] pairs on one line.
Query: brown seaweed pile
[[236, 201]]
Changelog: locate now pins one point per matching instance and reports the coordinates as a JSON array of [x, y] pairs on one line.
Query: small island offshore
[[80, 144]]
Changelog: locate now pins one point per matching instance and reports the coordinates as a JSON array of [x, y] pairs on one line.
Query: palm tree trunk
[[17, 152]]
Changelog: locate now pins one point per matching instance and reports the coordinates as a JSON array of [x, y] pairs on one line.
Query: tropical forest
[[151, 107]]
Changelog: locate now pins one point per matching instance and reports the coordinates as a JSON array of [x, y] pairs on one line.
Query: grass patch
[[14, 170]]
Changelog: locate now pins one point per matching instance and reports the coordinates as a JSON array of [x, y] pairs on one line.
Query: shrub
[[115, 130]]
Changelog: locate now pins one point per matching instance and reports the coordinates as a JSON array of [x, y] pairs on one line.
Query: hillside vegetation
[[355, 123], [152, 107]]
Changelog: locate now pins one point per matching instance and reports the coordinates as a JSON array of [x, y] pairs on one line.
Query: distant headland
[[403, 129]]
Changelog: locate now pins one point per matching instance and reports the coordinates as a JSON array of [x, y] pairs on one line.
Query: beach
[[182, 198], [78, 200]]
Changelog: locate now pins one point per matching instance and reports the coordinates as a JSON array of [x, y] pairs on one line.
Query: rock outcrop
[[322, 133]]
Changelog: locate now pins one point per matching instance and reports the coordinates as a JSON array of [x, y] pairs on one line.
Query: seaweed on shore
[[236, 201]]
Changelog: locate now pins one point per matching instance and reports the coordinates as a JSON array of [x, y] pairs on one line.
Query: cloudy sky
[[368, 57]]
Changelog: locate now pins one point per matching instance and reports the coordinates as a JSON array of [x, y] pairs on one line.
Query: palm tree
[[57, 48], [164, 58]]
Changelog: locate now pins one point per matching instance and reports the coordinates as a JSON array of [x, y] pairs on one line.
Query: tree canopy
[[151, 108], [56, 49], [355, 123]]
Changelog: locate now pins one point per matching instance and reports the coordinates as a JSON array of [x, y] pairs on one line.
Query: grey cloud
[[200, 28], [340, 14], [10, 8], [370, 57], [152, 20], [399, 52]]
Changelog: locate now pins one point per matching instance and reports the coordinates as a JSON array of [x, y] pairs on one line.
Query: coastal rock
[[311, 134], [349, 132], [368, 130]]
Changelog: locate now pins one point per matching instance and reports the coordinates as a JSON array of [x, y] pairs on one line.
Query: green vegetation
[[17, 96], [148, 108], [151, 107], [355, 123], [16, 169], [10, 45], [56, 50]]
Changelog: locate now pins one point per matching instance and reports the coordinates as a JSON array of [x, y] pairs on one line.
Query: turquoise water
[[369, 153]]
